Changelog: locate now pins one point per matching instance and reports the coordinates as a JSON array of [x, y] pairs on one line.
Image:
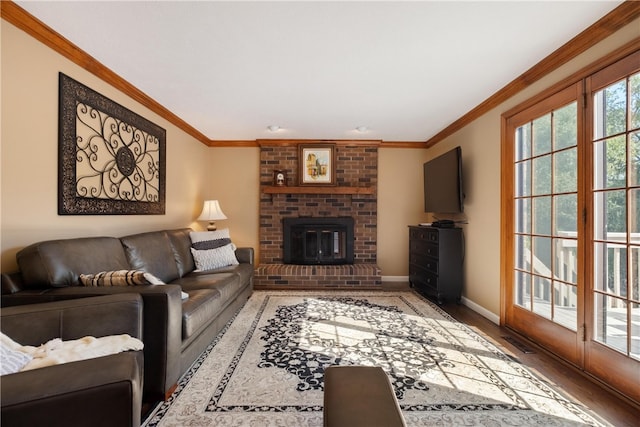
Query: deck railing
[[614, 272]]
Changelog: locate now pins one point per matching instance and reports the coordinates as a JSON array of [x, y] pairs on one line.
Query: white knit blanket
[[57, 351]]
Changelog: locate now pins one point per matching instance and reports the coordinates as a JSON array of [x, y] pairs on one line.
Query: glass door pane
[[616, 221], [546, 208]]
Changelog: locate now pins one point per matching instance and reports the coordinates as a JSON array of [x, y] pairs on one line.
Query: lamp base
[[211, 226]]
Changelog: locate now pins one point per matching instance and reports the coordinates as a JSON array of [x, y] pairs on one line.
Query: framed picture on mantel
[[317, 164]]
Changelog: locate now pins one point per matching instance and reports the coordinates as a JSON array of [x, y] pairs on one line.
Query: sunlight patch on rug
[[267, 366]]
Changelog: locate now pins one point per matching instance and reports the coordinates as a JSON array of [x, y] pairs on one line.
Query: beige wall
[[480, 142], [235, 182], [29, 153], [400, 203]]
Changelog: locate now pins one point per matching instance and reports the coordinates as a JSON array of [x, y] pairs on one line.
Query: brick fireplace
[[355, 195]]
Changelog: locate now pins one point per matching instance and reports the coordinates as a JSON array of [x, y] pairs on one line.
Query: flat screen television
[[443, 183]]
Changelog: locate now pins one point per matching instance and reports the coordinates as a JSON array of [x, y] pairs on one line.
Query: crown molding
[[622, 15], [609, 24], [288, 142], [17, 16], [343, 142]]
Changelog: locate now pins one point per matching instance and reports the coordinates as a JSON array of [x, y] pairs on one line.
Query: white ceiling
[[403, 69]]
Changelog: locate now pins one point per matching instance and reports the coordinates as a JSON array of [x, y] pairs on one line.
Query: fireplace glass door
[[321, 246], [318, 241]]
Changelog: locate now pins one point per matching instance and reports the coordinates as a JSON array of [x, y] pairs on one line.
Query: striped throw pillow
[[114, 278], [123, 278]]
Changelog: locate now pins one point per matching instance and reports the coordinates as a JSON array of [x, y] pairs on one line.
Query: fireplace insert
[[314, 240]]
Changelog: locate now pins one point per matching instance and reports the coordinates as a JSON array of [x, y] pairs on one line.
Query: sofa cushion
[[152, 253], [181, 245], [243, 271], [228, 284], [204, 280], [242, 274], [197, 312], [59, 263]]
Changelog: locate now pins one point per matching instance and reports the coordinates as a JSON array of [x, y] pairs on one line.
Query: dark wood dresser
[[435, 262]]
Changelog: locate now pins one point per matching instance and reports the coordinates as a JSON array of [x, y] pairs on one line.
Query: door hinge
[[582, 332]]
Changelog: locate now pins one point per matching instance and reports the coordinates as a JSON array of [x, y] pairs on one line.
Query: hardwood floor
[[612, 407]]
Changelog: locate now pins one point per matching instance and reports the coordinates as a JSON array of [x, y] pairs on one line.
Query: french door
[[546, 205], [571, 234], [613, 310]]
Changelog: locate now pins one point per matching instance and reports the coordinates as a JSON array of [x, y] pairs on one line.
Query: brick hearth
[[356, 166], [287, 276]]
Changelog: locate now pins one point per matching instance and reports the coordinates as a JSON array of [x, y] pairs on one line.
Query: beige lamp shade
[[211, 212]]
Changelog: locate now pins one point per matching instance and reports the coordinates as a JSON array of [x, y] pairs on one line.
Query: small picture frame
[[317, 164], [279, 178]]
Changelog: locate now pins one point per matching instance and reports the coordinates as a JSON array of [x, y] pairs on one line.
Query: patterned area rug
[[266, 367]]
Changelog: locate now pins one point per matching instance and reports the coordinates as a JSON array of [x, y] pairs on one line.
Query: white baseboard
[[481, 310], [395, 278], [467, 302]]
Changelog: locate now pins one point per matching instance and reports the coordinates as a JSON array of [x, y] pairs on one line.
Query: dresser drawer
[[428, 281], [430, 265], [424, 234], [424, 248]]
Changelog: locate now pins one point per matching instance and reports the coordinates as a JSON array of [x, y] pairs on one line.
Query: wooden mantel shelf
[[273, 189]]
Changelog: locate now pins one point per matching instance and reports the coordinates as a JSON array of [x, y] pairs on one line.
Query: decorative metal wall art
[[111, 160]]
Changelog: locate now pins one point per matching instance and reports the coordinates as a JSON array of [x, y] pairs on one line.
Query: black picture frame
[[111, 161]]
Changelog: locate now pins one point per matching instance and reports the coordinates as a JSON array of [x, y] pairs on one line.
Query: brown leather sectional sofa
[[175, 331], [103, 392]]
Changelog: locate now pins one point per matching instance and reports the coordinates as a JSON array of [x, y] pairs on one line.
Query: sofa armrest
[[162, 335], [73, 319], [104, 391], [245, 255], [161, 326]]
